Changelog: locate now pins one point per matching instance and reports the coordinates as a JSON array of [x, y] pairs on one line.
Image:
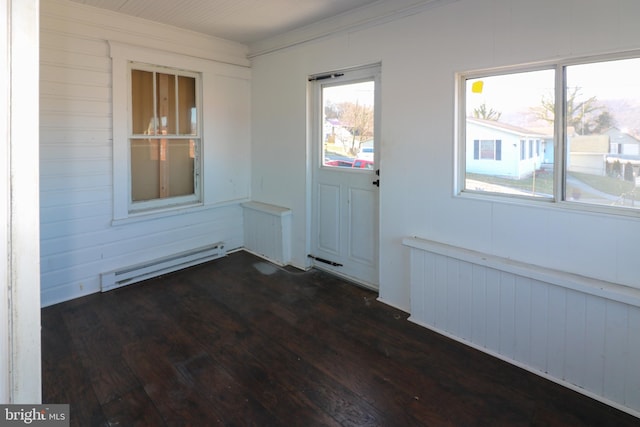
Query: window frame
[[559, 198], [176, 201], [122, 56]]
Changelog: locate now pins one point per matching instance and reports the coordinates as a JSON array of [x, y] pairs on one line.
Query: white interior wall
[[78, 239], [419, 56]]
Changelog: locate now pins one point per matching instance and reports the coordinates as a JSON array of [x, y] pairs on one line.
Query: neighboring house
[[587, 153], [548, 154], [596, 154], [338, 138], [622, 143], [337, 135], [331, 128], [500, 149], [624, 149]]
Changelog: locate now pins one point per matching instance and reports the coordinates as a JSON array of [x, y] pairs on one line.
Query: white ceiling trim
[[363, 17]]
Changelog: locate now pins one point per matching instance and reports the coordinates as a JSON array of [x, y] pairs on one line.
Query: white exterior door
[[344, 238]]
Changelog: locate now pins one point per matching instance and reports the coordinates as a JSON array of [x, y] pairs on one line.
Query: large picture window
[[164, 137], [568, 132]]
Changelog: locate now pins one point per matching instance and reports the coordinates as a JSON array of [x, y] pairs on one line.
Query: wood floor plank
[[230, 341], [238, 341], [64, 380], [99, 353], [135, 409]]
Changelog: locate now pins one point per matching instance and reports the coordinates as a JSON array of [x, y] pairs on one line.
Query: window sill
[[159, 213], [548, 203]]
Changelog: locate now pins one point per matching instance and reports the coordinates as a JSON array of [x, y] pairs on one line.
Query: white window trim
[[559, 197], [122, 55]]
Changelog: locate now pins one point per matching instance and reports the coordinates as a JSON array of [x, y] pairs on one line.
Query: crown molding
[[363, 17]]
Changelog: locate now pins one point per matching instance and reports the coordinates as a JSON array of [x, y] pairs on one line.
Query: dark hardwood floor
[[240, 342]]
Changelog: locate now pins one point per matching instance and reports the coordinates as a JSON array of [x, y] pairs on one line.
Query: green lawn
[[605, 184], [543, 182]]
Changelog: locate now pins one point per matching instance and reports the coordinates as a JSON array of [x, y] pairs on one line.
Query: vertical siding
[[78, 240], [584, 340]]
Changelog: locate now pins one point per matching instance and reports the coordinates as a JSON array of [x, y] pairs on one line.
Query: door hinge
[[326, 261]]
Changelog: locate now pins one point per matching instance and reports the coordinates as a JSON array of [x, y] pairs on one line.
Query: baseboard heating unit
[[139, 272]]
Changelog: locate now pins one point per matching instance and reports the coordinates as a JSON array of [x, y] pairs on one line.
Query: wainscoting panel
[[267, 231], [574, 330]]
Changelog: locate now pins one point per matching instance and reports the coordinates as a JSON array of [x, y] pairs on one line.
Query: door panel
[[346, 156], [329, 218], [362, 225]]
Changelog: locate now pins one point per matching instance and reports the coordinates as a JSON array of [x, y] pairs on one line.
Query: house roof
[[516, 130], [619, 137]]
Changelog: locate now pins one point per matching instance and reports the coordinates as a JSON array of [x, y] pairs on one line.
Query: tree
[[628, 172], [603, 122], [482, 112], [358, 119], [585, 116], [331, 110]]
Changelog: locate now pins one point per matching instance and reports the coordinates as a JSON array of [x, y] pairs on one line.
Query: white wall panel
[[595, 341], [478, 304], [632, 383], [576, 336], [539, 325], [556, 331], [522, 321], [267, 231], [616, 353], [78, 239]]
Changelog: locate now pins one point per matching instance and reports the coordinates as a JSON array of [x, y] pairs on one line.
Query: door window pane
[[506, 117], [348, 124], [603, 133]]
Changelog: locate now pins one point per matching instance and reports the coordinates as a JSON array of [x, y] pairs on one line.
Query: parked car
[[339, 163], [363, 163]]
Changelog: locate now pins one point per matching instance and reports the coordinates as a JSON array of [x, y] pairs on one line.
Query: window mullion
[[155, 105], [177, 104], [560, 134]]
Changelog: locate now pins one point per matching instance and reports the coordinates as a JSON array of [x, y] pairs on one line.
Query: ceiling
[[243, 21]]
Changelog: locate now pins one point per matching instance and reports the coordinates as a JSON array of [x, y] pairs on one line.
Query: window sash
[[170, 123], [532, 150]]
